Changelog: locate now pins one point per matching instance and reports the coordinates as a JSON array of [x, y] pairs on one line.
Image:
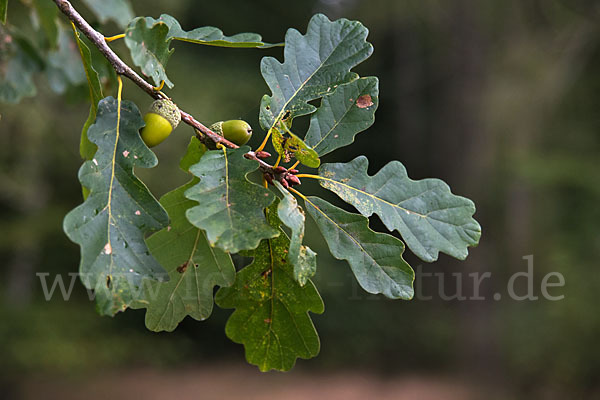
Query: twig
[[98, 39]]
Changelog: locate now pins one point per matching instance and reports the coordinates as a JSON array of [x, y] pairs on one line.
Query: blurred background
[[497, 98]]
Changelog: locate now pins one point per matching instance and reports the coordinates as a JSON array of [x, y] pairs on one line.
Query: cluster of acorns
[[164, 116]]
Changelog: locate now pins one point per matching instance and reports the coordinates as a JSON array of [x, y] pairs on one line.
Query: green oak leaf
[[209, 35], [111, 224], [64, 67], [194, 267], [375, 258], [87, 149], [3, 10], [301, 257], [230, 207], [17, 67], [271, 309], [149, 48], [428, 216], [314, 64], [292, 145], [350, 109], [47, 14], [119, 11]]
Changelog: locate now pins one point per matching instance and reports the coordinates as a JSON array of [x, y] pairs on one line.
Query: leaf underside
[[111, 224], [271, 309], [428, 216]]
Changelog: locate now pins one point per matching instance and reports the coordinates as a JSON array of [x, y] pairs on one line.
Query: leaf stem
[[159, 87], [278, 160], [309, 176], [303, 197], [116, 37], [295, 165], [264, 142]]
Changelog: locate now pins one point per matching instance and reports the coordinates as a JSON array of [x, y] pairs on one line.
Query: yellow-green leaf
[[291, 145]]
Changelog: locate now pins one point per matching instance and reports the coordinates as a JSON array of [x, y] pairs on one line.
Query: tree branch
[[207, 136]]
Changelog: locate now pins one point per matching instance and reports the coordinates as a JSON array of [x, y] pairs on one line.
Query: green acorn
[[162, 117], [235, 130]]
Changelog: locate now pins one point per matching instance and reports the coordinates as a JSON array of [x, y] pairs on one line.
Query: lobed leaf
[[231, 207], [428, 216], [87, 149], [149, 48], [119, 11], [350, 109], [111, 224], [194, 267], [271, 309], [301, 257], [209, 35], [375, 258], [314, 64]]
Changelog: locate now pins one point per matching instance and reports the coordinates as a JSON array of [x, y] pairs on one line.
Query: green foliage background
[[499, 99]]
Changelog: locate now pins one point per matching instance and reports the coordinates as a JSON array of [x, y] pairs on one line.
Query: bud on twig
[[269, 178], [279, 169], [262, 154], [293, 180]]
